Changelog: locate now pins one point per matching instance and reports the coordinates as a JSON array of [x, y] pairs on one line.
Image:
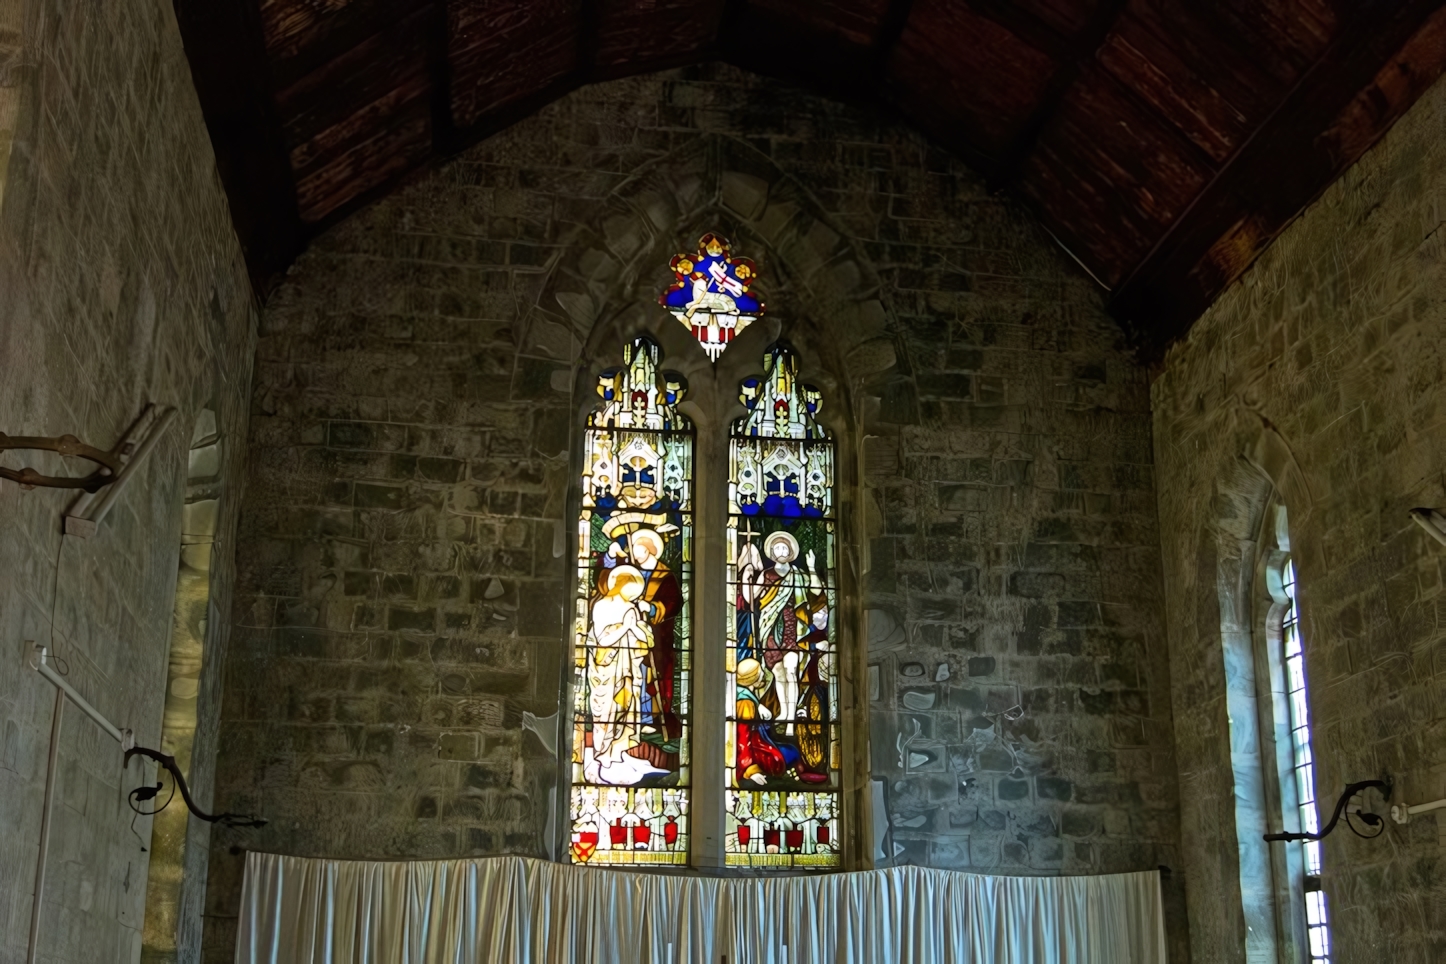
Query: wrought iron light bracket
[[1369, 819], [168, 762]]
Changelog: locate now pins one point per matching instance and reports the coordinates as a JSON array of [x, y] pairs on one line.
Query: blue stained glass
[[632, 647], [782, 754], [711, 295]]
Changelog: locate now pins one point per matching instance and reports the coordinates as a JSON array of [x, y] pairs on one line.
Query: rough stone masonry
[[401, 570], [122, 284], [1332, 343]]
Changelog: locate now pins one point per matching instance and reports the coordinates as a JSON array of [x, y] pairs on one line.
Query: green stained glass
[[633, 640], [782, 750]]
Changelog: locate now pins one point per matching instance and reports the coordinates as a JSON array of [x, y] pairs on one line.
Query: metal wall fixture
[[1432, 521], [1403, 812], [67, 446], [40, 661], [116, 467], [143, 793], [90, 510], [1348, 809]]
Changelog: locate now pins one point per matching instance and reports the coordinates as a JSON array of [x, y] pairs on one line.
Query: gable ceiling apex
[[1164, 145]]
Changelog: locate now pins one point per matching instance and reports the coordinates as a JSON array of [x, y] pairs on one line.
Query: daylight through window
[[783, 741], [633, 641], [634, 800], [1317, 921]]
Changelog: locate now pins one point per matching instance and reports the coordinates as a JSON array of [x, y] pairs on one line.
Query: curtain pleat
[[297, 910]]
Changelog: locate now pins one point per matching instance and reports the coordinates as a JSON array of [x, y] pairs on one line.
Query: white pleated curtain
[[305, 911], [297, 910]]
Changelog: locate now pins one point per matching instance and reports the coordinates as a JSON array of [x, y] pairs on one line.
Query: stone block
[[457, 746], [411, 620], [1036, 585], [1053, 788]]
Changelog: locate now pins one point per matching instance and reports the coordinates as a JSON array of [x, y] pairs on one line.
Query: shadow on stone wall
[[421, 381]]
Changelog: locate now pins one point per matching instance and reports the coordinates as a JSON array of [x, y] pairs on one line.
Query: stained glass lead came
[[781, 756], [711, 295], [632, 633]]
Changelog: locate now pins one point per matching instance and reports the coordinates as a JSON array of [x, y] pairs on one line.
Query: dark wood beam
[[890, 30], [774, 43], [227, 51], [1382, 59], [439, 72], [450, 138], [1082, 50], [303, 51]]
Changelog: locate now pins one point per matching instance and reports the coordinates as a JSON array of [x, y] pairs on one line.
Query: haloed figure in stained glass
[[643, 592], [782, 638], [783, 741], [634, 554]]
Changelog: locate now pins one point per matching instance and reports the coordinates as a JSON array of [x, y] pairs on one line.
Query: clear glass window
[[1303, 764]]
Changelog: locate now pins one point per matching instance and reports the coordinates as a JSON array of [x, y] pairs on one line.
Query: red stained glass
[[782, 696], [632, 648], [711, 295]]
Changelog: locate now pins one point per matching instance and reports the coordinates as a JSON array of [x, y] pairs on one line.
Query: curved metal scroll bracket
[[169, 762], [1369, 819]]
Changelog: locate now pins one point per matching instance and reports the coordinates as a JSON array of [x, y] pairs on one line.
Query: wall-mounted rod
[[90, 510], [40, 661], [34, 945], [1401, 813], [1432, 521]]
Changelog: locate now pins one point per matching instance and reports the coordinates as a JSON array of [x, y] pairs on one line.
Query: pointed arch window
[[775, 724], [630, 792], [782, 752], [1317, 919]]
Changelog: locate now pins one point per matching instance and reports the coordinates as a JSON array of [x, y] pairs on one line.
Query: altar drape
[[297, 910]]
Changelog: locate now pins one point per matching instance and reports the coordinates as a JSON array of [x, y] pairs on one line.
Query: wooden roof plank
[[225, 45], [1385, 57]]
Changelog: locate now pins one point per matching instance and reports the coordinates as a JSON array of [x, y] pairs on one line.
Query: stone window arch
[[1243, 556], [603, 292], [1292, 784], [175, 880]]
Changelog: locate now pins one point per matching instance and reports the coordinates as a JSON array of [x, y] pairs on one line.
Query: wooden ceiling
[[1163, 142]]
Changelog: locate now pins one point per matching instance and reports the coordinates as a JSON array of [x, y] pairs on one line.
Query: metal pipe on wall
[[55, 722], [40, 661]]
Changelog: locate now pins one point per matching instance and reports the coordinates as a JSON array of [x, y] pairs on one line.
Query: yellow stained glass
[[632, 627]]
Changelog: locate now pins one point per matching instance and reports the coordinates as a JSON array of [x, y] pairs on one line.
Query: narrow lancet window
[[782, 751], [1303, 765], [633, 641]]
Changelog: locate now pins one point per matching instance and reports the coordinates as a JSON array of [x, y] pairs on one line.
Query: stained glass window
[[782, 749], [633, 641], [711, 295]]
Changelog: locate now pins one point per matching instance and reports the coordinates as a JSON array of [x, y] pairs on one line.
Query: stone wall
[[1321, 378], [420, 380], [121, 284]]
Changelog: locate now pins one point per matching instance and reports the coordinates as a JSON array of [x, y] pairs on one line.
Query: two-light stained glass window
[[633, 644], [632, 784]]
